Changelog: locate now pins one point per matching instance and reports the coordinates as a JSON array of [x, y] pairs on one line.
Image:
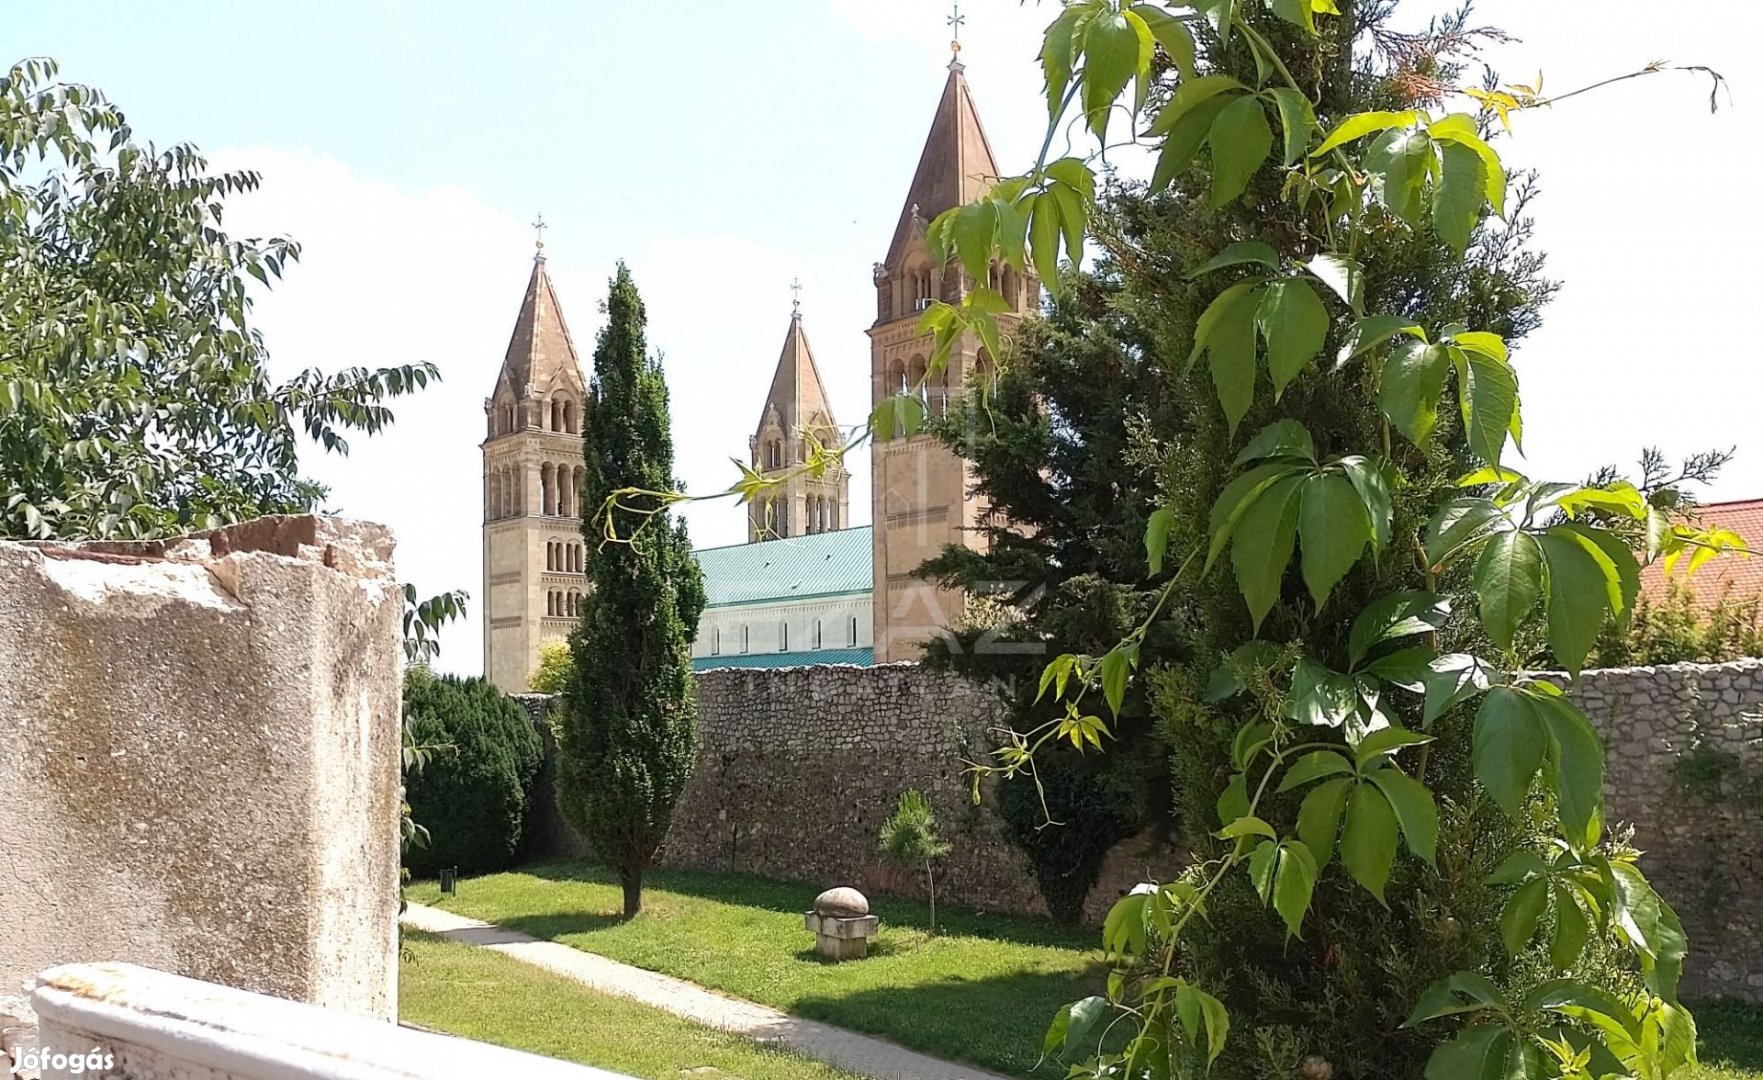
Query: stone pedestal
[[841, 937]]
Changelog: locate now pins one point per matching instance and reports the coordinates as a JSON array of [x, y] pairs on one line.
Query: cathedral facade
[[810, 586]]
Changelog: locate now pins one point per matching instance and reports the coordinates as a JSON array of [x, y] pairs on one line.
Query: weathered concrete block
[[199, 758], [152, 1026]]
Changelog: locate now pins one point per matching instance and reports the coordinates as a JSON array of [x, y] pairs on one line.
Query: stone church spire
[[955, 168], [797, 398], [795, 407], [540, 352]]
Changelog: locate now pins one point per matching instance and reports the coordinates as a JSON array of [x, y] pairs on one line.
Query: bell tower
[[920, 493], [796, 413], [533, 579]]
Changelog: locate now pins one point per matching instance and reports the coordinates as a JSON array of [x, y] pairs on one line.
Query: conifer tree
[[626, 730]]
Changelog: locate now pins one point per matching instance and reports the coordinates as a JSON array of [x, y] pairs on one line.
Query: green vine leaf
[[1523, 911], [1462, 188], [1508, 581], [1368, 841], [1319, 817], [1294, 323], [1263, 548], [1334, 528], [1297, 120], [1240, 139], [1414, 809], [1508, 746], [1408, 392]]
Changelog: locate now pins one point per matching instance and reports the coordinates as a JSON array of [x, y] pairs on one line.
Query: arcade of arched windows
[[564, 603], [820, 513], [559, 413], [564, 557], [564, 416], [506, 495], [560, 489]]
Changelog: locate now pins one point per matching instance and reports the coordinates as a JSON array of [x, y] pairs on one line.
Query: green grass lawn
[[1731, 1047], [982, 990], [494, 998]]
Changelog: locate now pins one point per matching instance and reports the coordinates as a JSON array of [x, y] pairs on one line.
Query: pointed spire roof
[[540, 352], [957, 165], [796, 393]]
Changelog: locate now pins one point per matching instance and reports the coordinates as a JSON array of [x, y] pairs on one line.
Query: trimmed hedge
[[474, 795]]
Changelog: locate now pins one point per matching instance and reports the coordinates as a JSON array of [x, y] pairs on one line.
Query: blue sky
[[726, 148]]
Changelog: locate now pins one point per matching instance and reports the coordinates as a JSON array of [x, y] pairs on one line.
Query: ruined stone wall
[[1684, 766], [199, 759], [798, 767]]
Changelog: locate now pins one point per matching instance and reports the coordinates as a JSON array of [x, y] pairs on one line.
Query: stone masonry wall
[[798, 767], [1684, 766], [199, 759]]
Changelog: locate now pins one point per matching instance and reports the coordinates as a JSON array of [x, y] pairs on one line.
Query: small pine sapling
[[909, 837]]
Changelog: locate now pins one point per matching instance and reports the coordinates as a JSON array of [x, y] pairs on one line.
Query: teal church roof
[[789, 568], [864, 657]]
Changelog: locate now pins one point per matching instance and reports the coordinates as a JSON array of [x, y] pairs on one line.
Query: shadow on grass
[[792, 898], [996, 1022], [1731, 1033], [553, 926]]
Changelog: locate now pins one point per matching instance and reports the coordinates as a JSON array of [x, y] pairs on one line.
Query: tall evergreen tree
[[626, 730]]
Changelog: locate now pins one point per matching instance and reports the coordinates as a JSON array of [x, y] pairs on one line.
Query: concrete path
[[865, 1055]]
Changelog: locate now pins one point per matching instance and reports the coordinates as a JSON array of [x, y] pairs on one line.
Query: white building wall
[[786, 626]]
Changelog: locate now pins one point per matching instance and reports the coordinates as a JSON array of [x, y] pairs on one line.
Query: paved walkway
[[848, 1050]]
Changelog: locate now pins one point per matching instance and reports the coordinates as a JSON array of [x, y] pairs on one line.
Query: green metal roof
[[790, 568], [862, 657]]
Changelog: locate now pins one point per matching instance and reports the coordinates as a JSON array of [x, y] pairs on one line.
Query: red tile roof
[[1742, 574]]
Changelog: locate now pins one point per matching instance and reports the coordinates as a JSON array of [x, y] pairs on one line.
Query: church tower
[[533, 580], [920, 494], [795, 409]]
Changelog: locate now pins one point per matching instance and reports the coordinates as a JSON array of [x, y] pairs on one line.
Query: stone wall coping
[[182, 1021]]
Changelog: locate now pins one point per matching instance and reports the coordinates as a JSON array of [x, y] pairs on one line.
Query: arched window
[[832, 515], [569, 418], [915, 378], [1012, 288], [745, 638], [783, 636], [716, 641], [853, 631], [550, 556], [556, 415], [550, 603], [816, 642], [546, 484]]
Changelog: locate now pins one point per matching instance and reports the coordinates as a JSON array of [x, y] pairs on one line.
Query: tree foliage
[[625, 728], [1368, 676], [134, 396], [553, 672], [473, 793]]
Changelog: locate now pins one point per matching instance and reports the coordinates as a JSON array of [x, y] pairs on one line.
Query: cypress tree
[[626, 731]]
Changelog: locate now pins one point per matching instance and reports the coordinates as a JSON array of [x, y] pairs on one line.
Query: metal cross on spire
[[539, 228], [956, 21], [796, 293]]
